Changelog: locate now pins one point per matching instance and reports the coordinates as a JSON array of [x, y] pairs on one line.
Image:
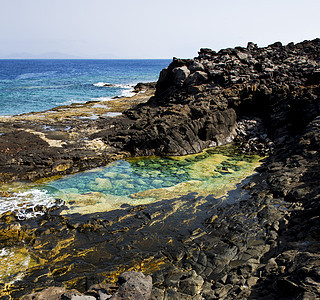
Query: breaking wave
[[29, 204], [101, 84]]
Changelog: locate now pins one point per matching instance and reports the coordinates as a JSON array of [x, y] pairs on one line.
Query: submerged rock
[[263, 242]]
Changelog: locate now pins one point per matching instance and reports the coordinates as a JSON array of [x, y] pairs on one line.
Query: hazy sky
[[151, 29]]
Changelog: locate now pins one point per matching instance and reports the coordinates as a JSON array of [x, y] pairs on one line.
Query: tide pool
[[134, 181]]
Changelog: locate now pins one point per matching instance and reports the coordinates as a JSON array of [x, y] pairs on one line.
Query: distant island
[[54, 55]]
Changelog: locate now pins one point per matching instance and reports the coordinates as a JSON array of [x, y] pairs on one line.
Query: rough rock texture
[[59, 141], [53, 293], [132, 286], [196, 105], [263, 246]]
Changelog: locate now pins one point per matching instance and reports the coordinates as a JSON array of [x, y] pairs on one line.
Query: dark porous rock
[[180, 75], [259, 241], [133, 285], [144, 86], [157, 294], [196, 78], [190, 283], [74, 295], [54, 293]]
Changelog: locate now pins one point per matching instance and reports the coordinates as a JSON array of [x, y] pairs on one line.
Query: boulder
[[133, 285], [52, 293], [196, 78], [196, 66], [180, 75]]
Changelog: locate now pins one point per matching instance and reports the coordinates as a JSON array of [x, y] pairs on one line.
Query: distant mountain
[[48, 55], [54, 55]]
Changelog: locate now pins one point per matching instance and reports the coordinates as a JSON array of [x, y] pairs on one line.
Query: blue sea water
[[37, 85]]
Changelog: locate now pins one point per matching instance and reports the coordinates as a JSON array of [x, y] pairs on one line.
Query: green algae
[[133, 181], [144, 180], [13, 262]]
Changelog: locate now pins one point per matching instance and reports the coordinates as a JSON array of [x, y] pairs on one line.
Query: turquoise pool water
[[147, 179], [133, 181]]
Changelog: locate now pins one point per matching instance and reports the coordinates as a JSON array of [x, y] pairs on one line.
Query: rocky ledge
[[263, 246]]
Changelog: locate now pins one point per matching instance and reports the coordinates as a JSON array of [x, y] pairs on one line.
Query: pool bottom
[[134, 181], [144, 180]]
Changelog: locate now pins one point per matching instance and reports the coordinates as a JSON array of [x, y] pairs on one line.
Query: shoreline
[[117, 104], [264, 246], [66, 126]]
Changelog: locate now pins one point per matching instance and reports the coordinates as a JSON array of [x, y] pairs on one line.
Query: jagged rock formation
[[197, 102], [196, 105], [264, 247]]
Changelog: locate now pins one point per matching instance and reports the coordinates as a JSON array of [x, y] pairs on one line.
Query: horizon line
[[85, 58]]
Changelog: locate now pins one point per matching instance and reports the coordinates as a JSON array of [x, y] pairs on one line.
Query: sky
[[149, 29]]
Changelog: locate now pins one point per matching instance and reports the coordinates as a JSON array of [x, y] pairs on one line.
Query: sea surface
[[37, 85], [41, 84]]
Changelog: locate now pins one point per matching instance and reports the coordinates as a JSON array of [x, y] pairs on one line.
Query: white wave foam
[[124, 86], [101, 83], [73, 101], [16, 261], [28, 204], [97, 105], [4, 252], [127, 90], [118, 85], [128, 93], [102, 99], [112, 114]]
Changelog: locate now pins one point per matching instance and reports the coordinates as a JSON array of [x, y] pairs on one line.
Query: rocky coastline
[[263, 246]]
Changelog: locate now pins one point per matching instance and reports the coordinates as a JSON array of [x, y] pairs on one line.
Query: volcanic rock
[[262, 246]]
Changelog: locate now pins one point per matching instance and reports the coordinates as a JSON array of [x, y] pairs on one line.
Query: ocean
[[37, 85]]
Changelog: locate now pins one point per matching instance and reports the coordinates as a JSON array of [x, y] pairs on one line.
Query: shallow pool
[[141, 180]]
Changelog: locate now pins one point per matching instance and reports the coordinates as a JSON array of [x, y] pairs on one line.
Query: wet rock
[[262, 245]]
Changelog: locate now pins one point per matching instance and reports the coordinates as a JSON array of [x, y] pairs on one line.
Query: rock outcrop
[[131, 286], [263, 246], [197, 104]]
